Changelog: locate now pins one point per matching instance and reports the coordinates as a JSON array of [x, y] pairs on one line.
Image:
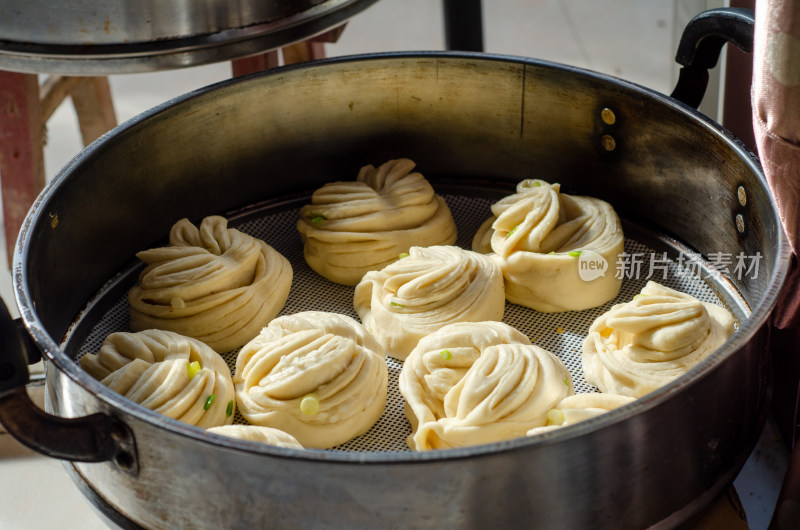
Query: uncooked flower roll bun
[[213, 283], [255, 433], [176, 376], [579, 407], [429, 288], [476, 383], [558, 252], [644, 344], [354, 227], [320, 377]]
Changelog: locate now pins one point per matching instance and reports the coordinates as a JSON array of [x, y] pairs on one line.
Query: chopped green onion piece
[[309, 405], [403, 255], [209, 400], [512, 231], [395, 304], [534, 184], [317, 219], [555, 417], [193, 368], [229, 410], [446, 355], [575, 253], [566, 381], [552, 252]]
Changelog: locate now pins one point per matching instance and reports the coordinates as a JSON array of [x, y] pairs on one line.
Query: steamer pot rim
[[116, 403]]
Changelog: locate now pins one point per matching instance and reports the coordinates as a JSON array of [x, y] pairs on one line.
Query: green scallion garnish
[[512, 231], [446, 355], [403, 255], [229, 410], [555, 417], [395, 304], [566, 381], [193, 367], [209, 400], [575, 253], [309, 405]]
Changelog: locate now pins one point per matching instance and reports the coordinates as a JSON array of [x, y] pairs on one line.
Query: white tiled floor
[[632, 39]]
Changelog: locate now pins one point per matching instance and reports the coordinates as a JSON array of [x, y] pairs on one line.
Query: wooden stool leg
[[21, 154], [92, 100], [303, 51], [254, 63], [311, 49]]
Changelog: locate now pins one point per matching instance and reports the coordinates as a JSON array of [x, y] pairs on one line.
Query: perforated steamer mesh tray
[[560, 333]]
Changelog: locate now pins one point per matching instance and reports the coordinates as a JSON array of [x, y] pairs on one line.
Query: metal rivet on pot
[[608, 116], [742, 195], [740, 223], [608, 142]]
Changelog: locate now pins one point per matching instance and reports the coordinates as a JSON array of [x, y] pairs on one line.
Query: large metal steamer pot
[[85, 37], [472, 121]]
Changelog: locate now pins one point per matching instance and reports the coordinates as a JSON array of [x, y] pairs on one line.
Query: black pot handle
[[701, 44], [98, 437]]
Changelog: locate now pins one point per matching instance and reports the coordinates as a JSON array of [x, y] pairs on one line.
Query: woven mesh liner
[[560, 333]]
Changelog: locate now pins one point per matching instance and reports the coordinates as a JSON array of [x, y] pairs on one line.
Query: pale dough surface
[[151, 368], [428, 289], [475, 383], [327, 356], [641, 345], [578, 407], [354, 227], [213, 283], [536, 236], [256, 433]]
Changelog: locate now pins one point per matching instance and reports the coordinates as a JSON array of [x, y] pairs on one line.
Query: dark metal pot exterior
[[468, 120]]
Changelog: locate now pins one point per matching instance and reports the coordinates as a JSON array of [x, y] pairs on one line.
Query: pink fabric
[[776, 119]]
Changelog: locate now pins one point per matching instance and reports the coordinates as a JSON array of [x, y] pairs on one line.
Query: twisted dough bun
[[214, 283], [354, 227], [639, 346], [317, 376], [579, 407], [475, 383], [153, 368], [539, 234], [255, 433], [426, 290]]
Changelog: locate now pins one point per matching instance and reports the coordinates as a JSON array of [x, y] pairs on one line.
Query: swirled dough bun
[[641, 345], [558, 252], [428, 289], [354, 227], [177, 376], [255, 433], [579, 407], [213, 283], [320, 377], [475, 383]]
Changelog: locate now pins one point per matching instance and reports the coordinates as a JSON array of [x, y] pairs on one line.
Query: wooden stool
[[25, 107]]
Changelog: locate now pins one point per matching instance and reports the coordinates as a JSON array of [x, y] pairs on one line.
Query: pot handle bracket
[[97, 437], [701, 44]]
